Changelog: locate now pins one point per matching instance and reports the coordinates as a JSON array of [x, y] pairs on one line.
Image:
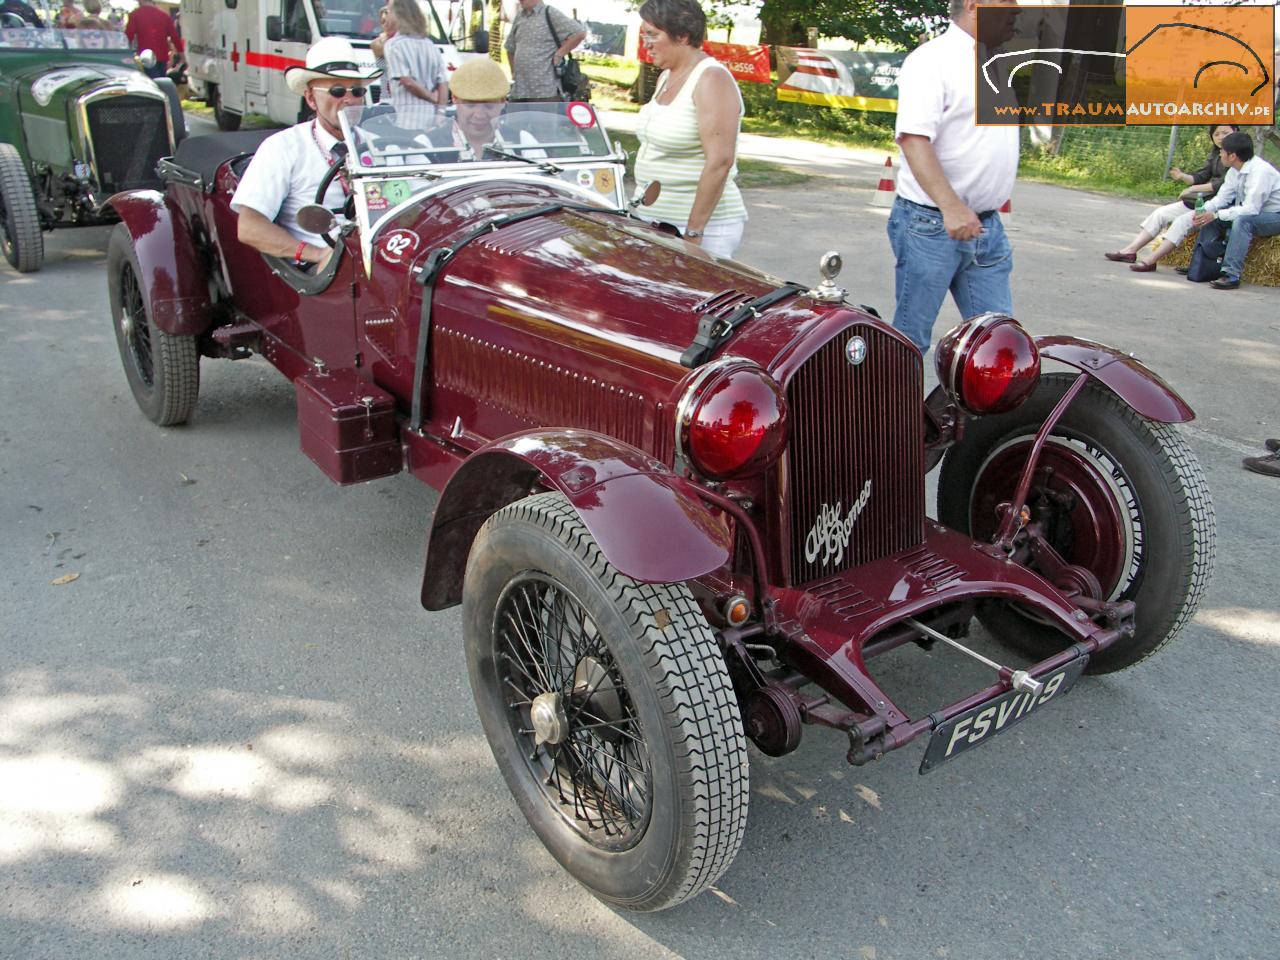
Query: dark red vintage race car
[[682, 503]]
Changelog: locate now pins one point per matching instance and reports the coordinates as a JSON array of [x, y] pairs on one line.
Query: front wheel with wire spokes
[[608, 708]]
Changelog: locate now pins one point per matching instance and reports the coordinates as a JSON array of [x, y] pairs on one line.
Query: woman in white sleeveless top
[[689, 130]]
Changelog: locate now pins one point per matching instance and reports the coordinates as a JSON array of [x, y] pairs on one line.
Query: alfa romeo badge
[[855, 350]]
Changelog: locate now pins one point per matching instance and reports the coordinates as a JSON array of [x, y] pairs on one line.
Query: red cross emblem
[[235, 59]]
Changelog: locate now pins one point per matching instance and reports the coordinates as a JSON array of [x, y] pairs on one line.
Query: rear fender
[[649, 523], [1125, 376], [173, 274]]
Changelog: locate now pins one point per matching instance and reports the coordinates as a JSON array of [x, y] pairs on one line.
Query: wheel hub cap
[[550, 725], [127, 327]]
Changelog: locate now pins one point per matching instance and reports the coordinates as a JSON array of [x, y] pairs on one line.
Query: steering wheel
[[333, 171]]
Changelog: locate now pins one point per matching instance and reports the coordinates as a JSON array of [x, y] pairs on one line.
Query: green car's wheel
[[20, 235]]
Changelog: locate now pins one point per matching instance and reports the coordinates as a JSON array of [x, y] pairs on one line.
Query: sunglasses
[[339, 91]]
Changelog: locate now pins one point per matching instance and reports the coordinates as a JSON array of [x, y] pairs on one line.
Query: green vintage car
[[79, 121]]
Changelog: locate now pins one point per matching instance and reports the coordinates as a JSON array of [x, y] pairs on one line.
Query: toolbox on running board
[[347, 426]]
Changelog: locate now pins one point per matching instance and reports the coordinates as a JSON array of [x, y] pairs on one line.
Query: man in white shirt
[[944, 228], [288, 167], [1248, 204]]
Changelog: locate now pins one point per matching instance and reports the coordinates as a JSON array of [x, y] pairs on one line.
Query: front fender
[[1127, 377], [649, 523], [173, 274]]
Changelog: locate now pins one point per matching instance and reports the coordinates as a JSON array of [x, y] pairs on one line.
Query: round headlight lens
[[988, 364], [737, 425]]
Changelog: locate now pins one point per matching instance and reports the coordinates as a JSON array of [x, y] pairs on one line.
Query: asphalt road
[[237, 734]]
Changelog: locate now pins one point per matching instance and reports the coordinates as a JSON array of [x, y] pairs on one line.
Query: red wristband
[[297, 254]]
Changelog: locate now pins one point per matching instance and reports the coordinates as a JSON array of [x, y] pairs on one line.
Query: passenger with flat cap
[[479, 89]]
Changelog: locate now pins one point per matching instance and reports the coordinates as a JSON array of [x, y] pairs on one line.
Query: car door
[[320, 325]]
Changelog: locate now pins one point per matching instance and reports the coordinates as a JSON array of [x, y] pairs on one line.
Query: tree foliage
[[863, 21]]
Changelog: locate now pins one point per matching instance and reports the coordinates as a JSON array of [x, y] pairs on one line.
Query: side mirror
[[314, 218], [147, 59], [480, 41], [650, 195], [275, 32]]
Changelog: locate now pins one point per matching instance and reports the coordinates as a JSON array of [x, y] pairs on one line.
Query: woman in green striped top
[[689, 130]]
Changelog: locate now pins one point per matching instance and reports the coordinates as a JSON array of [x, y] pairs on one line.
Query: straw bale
[[1261, 266]]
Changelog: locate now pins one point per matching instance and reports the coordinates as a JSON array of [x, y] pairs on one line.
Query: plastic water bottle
[[1200, 204]]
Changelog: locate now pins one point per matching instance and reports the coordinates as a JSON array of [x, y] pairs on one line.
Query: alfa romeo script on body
[[832, 530]]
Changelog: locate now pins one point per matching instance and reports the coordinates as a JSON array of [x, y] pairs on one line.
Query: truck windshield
[[359, 19], [348, 18]]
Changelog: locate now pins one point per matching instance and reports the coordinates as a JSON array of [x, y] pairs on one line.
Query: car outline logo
[[1266, 74]]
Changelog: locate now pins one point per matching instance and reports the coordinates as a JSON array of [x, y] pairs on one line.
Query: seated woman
[[1176, 216]]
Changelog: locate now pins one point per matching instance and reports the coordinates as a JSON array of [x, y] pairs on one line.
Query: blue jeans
[[929, 263], [1243, 230]]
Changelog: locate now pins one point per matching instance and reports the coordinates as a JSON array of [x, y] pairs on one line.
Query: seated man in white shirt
[[1248, 204], [288, 167]]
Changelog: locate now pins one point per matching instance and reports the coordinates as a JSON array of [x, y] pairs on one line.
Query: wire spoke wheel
[[571, 712], [134, 326], [608, 708]]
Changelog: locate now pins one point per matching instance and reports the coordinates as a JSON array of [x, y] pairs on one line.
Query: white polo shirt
[[936, 99], [285, 173], [1253, 189]]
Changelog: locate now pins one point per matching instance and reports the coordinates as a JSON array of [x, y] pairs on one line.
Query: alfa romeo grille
[[130, 136], [854, 466]]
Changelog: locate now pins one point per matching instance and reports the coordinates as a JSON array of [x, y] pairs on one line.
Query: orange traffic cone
[[1006, 213], [883, 197]]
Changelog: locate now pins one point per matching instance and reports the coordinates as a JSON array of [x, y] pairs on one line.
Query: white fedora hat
[[332, 58]]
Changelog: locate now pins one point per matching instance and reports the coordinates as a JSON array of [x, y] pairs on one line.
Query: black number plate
[[979, 724]]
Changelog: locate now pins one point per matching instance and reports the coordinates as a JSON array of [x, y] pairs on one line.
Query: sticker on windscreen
[[397, 191], [605, 181], [374, 198], [581, 115]]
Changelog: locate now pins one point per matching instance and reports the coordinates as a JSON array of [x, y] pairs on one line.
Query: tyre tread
[[20, 202], [1197, 519], [1194, 525], [696, 692]]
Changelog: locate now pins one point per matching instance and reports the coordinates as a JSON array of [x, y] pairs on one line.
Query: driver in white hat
[[288, 167]]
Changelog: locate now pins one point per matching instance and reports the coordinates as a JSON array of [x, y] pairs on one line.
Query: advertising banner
[[748, 64], [839, 78]]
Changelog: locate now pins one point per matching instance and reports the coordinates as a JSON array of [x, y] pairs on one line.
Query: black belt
[[924, 206]]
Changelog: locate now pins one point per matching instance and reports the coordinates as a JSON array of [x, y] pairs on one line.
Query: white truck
[[237, 50]]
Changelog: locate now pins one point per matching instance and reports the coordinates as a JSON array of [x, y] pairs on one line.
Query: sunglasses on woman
[[338, 91]]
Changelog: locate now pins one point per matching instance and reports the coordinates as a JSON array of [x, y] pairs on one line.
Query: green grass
[[610, 70], [751, 173]]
